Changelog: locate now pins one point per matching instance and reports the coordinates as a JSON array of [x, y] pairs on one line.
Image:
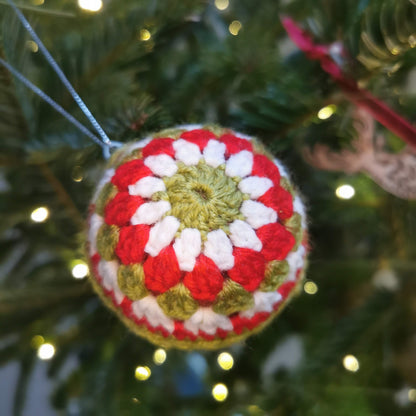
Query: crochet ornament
[[196, 237]]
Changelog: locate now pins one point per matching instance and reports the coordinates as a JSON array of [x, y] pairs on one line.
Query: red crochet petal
[[131, 243], [234, 144], [121, 208], [158, 146], [264, 167], [249, 268], [199, 137], [280, 200], [205, 281], [162, 271], [129, 173], [277, 241]]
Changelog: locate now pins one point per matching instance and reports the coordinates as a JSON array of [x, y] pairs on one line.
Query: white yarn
[[96, 221], [205, 319], [219, 249], [214, 153], [147, 186], [243, 235], [240, 164], [258, 214], [150, 212], [300, 209], [187, 248], [255, 186], [149, 309], [161, 235], [263, 302], [296, 261], [108, 271], [161, 165], [283, 171], [108, 174], [186, 152]]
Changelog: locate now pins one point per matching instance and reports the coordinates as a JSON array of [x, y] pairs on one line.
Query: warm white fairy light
[[225, 361], [411, 394], [142, 373], [46, 351], [79, 269], [145, 35], [351, 363], [235, 27], [37, 2], [39, 214], [37, 341], [222, 4], [311, 288], [326, 112], [90, 5], [32, 46], [345, 192], [159, 356], [220, 392]]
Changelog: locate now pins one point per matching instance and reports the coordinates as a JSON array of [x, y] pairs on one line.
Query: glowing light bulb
[[351, 363], [142, 373], [77, 174], [327, 111], [39, 214], [222, 4], [38, 2], [46, 351], [235, 27], [412, 395], [32, 46], [79, 269], [225, 361], [145, 35], [220, 392], [345, 192], [37, 341], [159, 356], [310, 287], [90, 5]]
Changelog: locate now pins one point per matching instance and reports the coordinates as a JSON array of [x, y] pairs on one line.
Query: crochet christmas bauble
[[196, 237]]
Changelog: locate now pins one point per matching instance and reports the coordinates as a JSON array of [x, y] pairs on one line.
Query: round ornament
[[196, 238]]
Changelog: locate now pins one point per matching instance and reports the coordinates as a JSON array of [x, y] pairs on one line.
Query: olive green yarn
[[130, 280], [107, 239], [203, 197], [276, 273], [171, 133], [177, 302], [108, 192], [285, 184], [232, 298], [294, 225]]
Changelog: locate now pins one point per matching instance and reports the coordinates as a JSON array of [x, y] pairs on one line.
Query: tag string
[[105, 142]]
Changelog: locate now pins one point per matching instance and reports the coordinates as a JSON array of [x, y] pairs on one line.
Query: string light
[[145, 35], [345, 192], [159, 356], [412, 395], [225, 361], [79, 269], [46, 351], [310, 287], [90, 5], [351, 363], [32, 46], [235, 27], [142, 373], [222, 4], [77, 174], [220, 392], [327, 111], [39, 214], [38, 2], [37, 341]]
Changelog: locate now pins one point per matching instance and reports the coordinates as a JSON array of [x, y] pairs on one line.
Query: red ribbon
[[362, 98]]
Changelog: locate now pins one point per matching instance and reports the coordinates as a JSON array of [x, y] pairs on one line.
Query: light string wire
[[105, 142]]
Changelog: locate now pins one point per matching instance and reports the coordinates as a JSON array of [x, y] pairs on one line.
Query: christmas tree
[[346, 345]]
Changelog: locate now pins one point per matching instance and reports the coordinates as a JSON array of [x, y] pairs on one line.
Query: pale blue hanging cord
[[106, 143]]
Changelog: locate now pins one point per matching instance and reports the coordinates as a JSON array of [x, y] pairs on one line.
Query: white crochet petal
[[219, 249], [139, 145], [263, 302], [205, 319], [300, 209], [214, 153], [255, 186], [150, 212], [161, 165], [258, 214], [243, 235], [186, 152], [96, 221], [187, 248], [108, 272], [296, 261], [148, 308], [161, 235], [108, 174], [240, 164], [147, 186], [283, 171]]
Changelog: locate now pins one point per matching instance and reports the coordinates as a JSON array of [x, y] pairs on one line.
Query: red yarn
[[280, 200], [158, 146], [131, 243], [181, 333], [162, 271], [264, 167], [199, 137], [234, 144], [205, 281], [129, 173], [249, 268], [121, 208], [277, 241], [286, 288]]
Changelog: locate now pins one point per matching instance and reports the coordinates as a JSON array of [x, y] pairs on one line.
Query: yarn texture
[[196, 238]]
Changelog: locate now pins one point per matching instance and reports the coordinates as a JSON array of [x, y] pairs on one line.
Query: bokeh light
[[310, 287], [37, 341], [220, 392], [326, 112], [39, 214], [222, 4], [145, 35], [142, 373], [225, 361], [235, 27], [32, 46], [412, 395], [90, 5], [159, 356], [351, 363], [46, 351], [345, 192], [79, 269]]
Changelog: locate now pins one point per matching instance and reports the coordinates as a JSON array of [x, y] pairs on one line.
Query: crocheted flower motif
[[196, 237]]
